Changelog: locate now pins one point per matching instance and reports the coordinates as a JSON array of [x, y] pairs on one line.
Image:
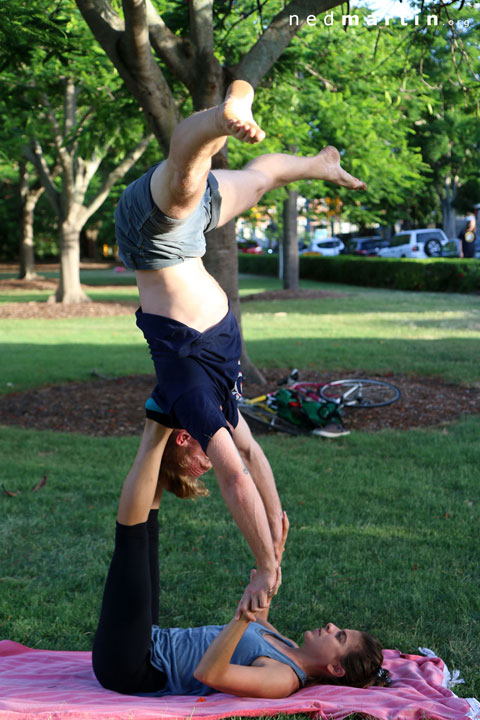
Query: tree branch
[[177, 53], [329, 85], [135, 36], [134, 61], [201, 26], [268, 48], [37, 158], [117, 173], [28, 192], [90, 167], [63, 154], [70, 105]]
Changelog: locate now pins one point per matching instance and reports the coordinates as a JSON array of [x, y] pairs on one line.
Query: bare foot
[[235, 114], [329, 168]]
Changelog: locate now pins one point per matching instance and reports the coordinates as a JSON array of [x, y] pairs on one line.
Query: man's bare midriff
[[184, 292]]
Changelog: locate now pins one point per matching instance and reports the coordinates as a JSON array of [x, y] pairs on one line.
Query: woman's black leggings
[[121, 650]]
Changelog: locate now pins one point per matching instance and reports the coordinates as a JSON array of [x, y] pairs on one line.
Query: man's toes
[[359, 185]]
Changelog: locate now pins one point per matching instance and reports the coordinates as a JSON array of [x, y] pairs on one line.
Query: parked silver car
[[366, 246], [325, 246], [421, 243]]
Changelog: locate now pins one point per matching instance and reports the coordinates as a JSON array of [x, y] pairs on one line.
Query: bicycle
[[311, 406]]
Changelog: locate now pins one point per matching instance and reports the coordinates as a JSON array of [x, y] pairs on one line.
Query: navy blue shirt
[[198, 374]]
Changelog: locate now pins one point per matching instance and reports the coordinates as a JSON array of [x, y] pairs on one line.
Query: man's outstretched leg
[[179, 183], [242, 189]]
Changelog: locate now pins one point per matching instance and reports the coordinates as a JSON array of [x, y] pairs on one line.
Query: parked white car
[[422, 243], [328, 247]]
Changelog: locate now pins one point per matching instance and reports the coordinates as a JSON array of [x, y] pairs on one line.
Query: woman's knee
[[113, 677]]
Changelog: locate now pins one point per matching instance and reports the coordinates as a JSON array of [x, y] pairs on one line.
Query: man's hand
[[279, 546], [258, 594]]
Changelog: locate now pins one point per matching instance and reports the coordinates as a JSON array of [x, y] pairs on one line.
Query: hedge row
[[435, 275]]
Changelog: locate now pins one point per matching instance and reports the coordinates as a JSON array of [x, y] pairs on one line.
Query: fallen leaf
[[9, 492], [41, 483]]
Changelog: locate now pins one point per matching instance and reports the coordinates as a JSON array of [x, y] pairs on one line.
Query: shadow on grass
[[356, 301]]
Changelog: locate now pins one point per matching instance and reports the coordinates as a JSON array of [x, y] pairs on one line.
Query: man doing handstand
[[161, 221]]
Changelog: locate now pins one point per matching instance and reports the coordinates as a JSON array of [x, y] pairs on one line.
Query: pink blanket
[[53, 684]]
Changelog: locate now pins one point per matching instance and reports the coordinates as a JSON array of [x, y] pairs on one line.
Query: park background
[[384, 523]]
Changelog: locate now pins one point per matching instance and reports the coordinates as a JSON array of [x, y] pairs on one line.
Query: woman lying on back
[[132, 655]]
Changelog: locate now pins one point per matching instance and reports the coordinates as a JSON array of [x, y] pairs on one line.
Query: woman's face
[[327, 645]]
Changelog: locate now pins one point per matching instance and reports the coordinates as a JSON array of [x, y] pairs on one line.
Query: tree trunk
[[448, 210], [221, 261], [29, 199], [27, 255], [90, 241], [290, 242], [69, 289], [223, 265]]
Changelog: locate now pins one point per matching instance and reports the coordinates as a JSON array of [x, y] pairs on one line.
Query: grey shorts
[[149, 240]]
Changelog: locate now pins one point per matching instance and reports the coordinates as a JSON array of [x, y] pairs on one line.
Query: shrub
[[434, 275], [258, 264]]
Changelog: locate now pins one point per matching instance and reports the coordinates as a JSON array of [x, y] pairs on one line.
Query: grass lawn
[[382, 537], [384, 527], [431, 334]]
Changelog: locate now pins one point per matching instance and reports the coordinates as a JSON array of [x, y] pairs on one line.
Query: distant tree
[[437, 94], [448, 132], [66, 109], [29, 196], [77, 167]]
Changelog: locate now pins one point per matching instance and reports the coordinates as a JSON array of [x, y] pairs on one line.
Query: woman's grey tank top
[[177, 652]]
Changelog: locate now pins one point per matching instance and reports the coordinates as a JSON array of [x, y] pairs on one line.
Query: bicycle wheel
[[266, 419], [360, 393]]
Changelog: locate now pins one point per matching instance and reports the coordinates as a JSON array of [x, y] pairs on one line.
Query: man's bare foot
[[235, 114], [329, 168]]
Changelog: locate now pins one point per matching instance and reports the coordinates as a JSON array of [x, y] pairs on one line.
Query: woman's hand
[[257, 595]]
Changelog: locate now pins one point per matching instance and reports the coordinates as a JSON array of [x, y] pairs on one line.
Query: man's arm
[[262, 475], [262, 615], [247, 508]]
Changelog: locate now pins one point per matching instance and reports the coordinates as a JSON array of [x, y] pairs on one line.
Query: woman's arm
[[268, 678], [139, 491]]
